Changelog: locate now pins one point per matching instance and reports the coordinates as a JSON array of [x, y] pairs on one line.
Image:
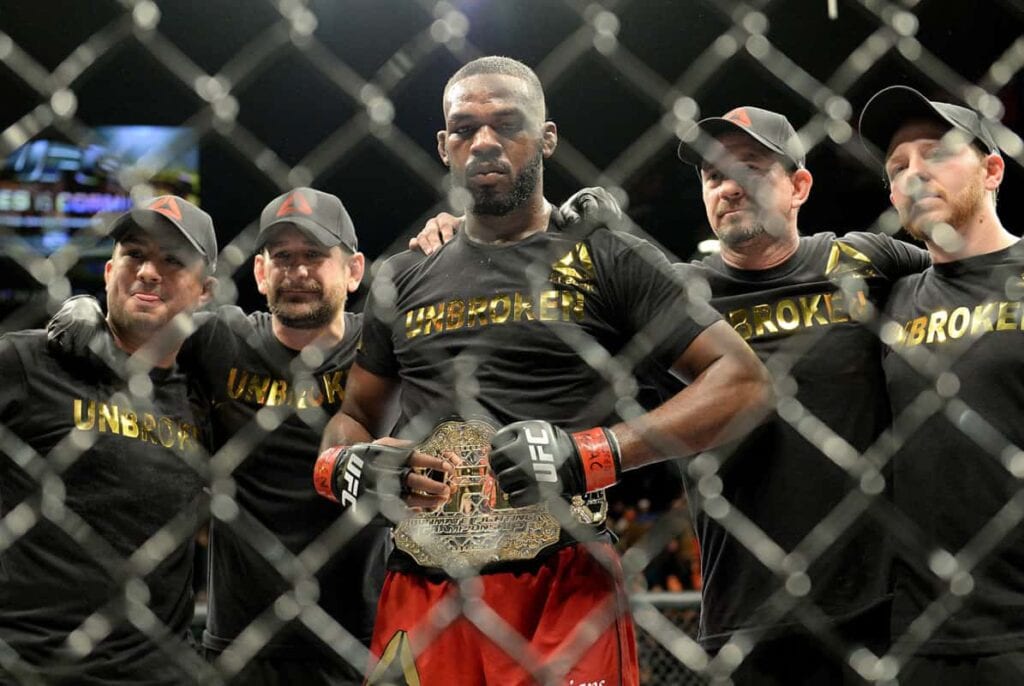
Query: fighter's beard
[[486, 201]]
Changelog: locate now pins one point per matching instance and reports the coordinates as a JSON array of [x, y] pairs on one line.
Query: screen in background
[[50, 189]]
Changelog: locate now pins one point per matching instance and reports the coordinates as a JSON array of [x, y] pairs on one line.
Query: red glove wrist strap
[[600, 463], [323, 471]]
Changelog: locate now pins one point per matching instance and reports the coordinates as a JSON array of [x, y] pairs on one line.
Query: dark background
[[300, 99]]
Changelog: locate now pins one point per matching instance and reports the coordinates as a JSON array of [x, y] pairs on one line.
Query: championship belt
[[477, 526]]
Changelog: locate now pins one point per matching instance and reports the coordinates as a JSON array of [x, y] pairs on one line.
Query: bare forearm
[[344, 430], [724, 403]]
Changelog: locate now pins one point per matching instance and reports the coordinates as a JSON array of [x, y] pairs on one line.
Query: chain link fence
[[345, 97]]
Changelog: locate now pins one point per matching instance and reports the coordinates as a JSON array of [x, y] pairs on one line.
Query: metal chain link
[[666, 623]]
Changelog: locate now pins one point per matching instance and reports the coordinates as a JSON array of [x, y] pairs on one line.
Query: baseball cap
[[892, 107], [770, 129], [320, 215], [194, 224]]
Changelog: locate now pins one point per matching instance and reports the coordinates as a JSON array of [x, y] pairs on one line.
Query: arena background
[[344, 95]]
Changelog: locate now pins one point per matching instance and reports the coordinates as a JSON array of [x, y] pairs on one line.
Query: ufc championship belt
[[477, 525]]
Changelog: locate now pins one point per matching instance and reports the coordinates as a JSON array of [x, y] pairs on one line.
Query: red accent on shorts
[[566, 622], [323, 471], [598, 458]]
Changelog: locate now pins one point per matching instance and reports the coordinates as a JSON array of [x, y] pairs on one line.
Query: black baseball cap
[[319, 215], [194, 224], [770, 129], [892, 107]]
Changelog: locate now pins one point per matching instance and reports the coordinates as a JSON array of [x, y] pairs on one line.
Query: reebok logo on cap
[[295, 204], [167, 206], [740, 116]]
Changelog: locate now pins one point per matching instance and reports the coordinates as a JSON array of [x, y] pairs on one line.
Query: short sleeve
[[661, 306], [12, 371], [894, 258], [376, 351]]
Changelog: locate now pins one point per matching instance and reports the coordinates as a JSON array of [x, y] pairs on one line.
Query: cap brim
[[887, 111], [307, 226], [691, 145], [150, 221]]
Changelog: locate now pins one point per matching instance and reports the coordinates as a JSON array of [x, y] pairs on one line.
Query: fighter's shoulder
[[401, 265], [612, 243], [869, 241]]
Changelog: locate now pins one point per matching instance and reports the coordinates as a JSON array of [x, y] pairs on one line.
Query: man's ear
[[995, 168], [209, 288], [259, 272], [442, 146], [549, 138], [802, 182], [107, 268], [356, 270]]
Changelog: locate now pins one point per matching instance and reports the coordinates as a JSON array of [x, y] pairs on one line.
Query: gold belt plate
[[477, 526]]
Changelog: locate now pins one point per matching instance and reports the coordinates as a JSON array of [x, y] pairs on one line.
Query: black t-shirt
[[269, 408], [810, 320], [955, 374], [140, 469], [550, 327]]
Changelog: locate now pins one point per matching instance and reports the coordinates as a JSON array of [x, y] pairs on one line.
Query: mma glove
[[588, 209], [534, 460], [364, 471], [79, 331]]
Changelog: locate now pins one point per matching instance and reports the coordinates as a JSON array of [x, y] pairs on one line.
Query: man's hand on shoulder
[[435, 233], [79, 331], [590, 207]]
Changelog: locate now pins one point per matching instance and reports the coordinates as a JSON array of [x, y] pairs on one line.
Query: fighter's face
[[149, 279], [495, 141], [748, 193], [306, 284], [933, 180]]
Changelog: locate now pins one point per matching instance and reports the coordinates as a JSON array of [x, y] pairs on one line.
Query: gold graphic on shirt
[[941, 326], [786, 315], [110, 418], [845, 261], [503, 308], [261, 389], [575, 269], [397, 666]]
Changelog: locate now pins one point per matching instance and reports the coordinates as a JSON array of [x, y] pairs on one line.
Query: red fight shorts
[[566, 623]]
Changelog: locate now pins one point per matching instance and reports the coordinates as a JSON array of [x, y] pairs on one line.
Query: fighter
[[955, 373], [537, 332], [805, 305], [102, 472]]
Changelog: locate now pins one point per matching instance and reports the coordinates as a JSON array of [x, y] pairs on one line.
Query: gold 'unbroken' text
[[789, 314], [265, 390], [504, 308], [158, 430], [944, 325]]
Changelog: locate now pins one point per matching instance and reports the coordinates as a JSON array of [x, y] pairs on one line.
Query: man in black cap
[[955, 373], [291, 592], [102, 472], [288, 615], [797, 575]]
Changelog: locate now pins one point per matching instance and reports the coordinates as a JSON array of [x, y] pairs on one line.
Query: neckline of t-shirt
[[982, 262], [495, 247], [793, 263]]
